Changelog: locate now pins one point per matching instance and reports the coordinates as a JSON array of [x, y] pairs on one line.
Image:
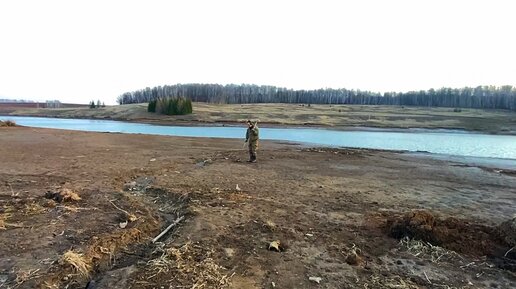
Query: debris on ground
[[23, 276], [168, 229], [354, 259], [63, 195], [420, 248], [276, 246], [188, 266], [130, 186], [204, 162], [77, 262], [270, 225], [3, 218], [126, 216], [315, 279]]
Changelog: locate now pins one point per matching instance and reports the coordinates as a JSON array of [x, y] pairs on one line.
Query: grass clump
[[77, 262]]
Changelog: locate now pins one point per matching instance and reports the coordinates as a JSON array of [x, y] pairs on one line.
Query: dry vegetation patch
[[63, 195], [77, 262], [188, 266], [454, 234], [6, 123]]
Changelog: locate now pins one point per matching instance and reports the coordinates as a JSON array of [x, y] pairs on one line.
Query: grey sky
[[76, 51]]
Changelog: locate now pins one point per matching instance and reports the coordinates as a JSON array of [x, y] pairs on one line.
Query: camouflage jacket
[[252, 134]]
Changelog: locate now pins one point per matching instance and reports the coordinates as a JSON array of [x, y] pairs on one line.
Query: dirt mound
[[451, 233]]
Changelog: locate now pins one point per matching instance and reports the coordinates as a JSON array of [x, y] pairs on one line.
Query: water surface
[[440, 142]]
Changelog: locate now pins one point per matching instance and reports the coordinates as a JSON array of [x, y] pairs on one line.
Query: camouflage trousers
[[253, 146]]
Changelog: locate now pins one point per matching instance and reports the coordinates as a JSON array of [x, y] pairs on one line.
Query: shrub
[[152, 106], [457, 110]]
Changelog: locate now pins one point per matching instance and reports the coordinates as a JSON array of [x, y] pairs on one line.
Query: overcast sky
[[76, 51]]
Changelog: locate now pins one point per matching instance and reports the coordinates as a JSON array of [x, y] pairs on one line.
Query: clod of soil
[[451, 233], [354, 259]]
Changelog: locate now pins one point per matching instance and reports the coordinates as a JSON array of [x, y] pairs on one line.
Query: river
[[447, 142]]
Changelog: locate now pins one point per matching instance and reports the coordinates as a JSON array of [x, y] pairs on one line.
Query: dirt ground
[[343, 218]]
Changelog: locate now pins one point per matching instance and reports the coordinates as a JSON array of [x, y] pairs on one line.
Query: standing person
[[251, 138]]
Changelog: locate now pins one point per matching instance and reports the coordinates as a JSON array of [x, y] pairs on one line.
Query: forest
[[485, 97]]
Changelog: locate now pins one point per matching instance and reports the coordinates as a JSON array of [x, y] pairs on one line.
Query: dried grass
[[69, 195], [391, 283], [50, 285], [34, 208], [77, 262], [75, 209], [419, 248], [64, 195], [7, 123], [190, 266], [270, 225], [3, 221], [24, 276], [128, 216]]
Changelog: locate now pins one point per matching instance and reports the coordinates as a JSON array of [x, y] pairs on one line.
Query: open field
[[337, 116], [79, 206]]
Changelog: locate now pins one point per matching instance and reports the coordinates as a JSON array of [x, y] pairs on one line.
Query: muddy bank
[[329, 209]]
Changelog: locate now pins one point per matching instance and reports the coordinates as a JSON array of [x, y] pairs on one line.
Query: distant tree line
[[503, 97], [16, 100]]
